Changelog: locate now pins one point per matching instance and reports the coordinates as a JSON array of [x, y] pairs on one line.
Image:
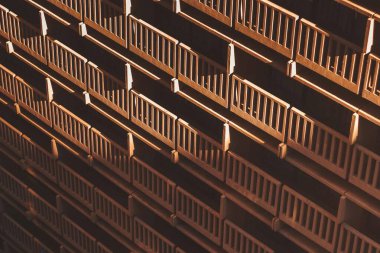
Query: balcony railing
[[308, 218], [16, 189], [330, 56], [114, 214], [200, 149], [71, 126], [107, 18], [371, 89], [110, 154], [7, 83], [45, 212], [319, 142], [152, 45], [73, 7], [153, 184], [153, 118], [253, 183], [40, 247], [203, 75], [259, 107], [27, 37], [239, 241], [17, 233], [67, 62], [33, 101], [352, 241], [40, 159], [199, 215], [4, 22], [11, 138], [219, 9], [102, 249], [77, 236], [267, 23], [149, 239], [108, 89], [76, 186], [365, 170]]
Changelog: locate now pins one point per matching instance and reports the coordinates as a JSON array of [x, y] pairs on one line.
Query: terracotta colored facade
[[193, 126]]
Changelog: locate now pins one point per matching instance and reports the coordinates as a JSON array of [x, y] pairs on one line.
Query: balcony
[[152, 45], [107, 18], [203, 75], [149, 239], [34, 101], [153, 184], [72, 7], [77, 236], [12, 186], [110, 154], [308, 218], [40, 159], [4, 22], [353, 241], [236, 240], [27, 37], [330, 56], [153, 118], [371, 90], [71, 126], [253, 183], [319, 143], [45, 212], [365, 170], [76, 186], [17, 233], [7, 83], [11, 137], [107, 89], [114, 215], [199, 215], [200, 149], [259, 107], [267, 23], [66, 62], [221, 10]]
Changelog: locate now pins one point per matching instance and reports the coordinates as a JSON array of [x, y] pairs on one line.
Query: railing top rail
[[331, 35], [109, 75], [146, 226], [28, 86], [167, 180], [218, 65], [375, 57], [198, 201], [2, 67], [97, 132], [201, 134], [153, 28], [256, 168], [28, 24], [3, 121], [4, 8], [88, 126], [114, 202], [57, 42], [279, 8], [318, 123], [309, 202], [154, 104], [357, 232], [278, 100]]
